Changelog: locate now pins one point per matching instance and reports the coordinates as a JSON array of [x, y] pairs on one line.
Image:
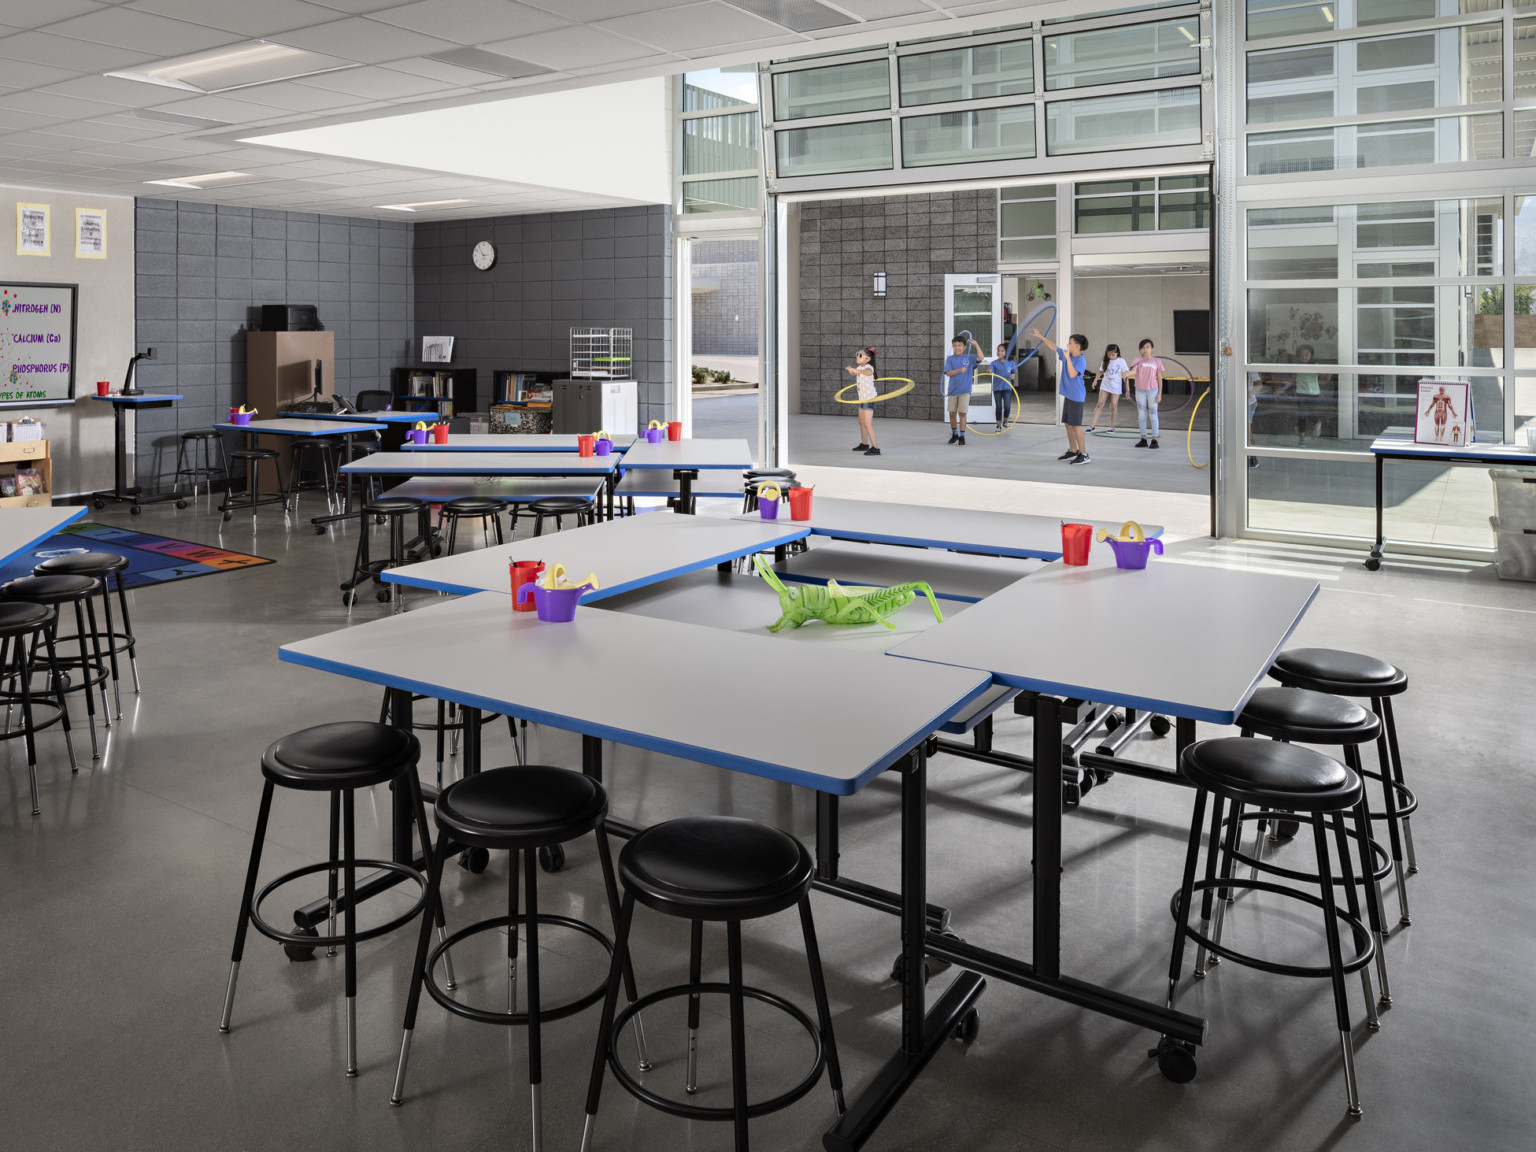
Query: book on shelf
[[434, 385], [512, 387]]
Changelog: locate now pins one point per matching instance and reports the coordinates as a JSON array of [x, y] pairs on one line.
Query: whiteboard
[[37, 344]]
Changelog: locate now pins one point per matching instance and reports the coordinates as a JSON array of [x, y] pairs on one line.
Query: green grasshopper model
[[835, 604]]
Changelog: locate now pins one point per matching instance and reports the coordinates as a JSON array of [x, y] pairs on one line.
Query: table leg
[[120, 448], [685, 478], [1373, 562], [610, 484], [469, 762], [1047, 837]]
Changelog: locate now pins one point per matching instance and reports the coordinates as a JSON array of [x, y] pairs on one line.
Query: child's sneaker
[[953, 436], [1082, 458], [1068, 454], [960, 443], [1153, 444], [1088, 429], [861, 448], [873, 452], [1142, 443]]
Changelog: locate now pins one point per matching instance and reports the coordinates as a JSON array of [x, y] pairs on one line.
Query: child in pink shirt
[[1148, 370]]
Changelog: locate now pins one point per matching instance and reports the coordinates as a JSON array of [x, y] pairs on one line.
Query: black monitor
[[1192, 332]]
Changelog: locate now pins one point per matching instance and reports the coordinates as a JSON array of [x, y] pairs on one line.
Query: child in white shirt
[[1109, 384]]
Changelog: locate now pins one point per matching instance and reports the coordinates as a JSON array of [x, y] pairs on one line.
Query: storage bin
[[1515, 557], [1514, 497]]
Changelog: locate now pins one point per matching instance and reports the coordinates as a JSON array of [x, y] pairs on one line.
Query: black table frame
[[1462, 456], [122, 492]]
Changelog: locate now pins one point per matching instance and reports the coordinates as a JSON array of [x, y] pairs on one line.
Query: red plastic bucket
[[1075, 542], [439, 433], [674, 430], [523, 572], [799, 503], [585, 446]]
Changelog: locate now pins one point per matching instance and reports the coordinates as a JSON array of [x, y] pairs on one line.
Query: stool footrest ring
[[1363, 942], [697, 1111], [404, 870], [483, 1016], [1379, 853]]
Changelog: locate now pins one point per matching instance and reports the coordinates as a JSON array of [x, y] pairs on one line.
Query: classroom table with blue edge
[[21, 528], [685, 459], [511, 442], [490, 464], [305, 427]]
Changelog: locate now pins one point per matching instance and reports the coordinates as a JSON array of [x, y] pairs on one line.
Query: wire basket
[[602, 353]]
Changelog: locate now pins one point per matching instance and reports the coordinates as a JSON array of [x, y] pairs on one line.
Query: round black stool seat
[[475, 506], [1308, 717], [348, 754], [716, 868], [1270, 773], [49, 589], [202, 434], [254, 454], [82, 564], [19, 617], [394, 505], [558, 504], [524, 807], [1341, 673]]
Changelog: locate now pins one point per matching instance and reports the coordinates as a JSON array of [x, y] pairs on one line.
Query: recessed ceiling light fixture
[[220, 178], [177, 118], [237, 66], [796, 15], [426, 205], [491, 63]]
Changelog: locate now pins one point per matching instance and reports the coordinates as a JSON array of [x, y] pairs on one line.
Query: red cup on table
[[103, 387], [799, 503], [439, 433], [1075, 542], [674, 430], [524, 572], [586, 445]]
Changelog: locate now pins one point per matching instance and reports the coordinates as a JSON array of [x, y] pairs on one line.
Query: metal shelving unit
[[602, 353]]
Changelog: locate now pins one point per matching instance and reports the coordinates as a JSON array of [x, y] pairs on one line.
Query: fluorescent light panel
[[239, 66], [796, 15], [491, 63], [220, 178], [426, 205], [177, 118]]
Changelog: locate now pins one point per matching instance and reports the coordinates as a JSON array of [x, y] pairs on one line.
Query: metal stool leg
[[605, 1024], [535, 1046], [349, 947], [738, 1034], [695, 974], [418, 972], [1336, 962], [610, 885], [245, 903], [823, 1009], [133, 643]]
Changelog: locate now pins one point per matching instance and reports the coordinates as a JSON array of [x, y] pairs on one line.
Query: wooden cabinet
[[280, 369], [31, 454]]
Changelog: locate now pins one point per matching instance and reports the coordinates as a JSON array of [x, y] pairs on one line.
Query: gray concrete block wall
[[915, 241], [554, 271], [203, 268], [725, 317]]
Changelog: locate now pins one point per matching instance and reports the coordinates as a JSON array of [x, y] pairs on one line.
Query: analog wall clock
[[484, 255]]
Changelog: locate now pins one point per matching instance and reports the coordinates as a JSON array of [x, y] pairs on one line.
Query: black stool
[[1299, 715], [394, 510], [1278, 776], [716, 868], [557, 508], [339, 759], [486, 509], [755, 478], [100, 566], [326, 454], [516, 810], [253, 458], [21, 627], [1365, 677], [56, 591], [194, 457]]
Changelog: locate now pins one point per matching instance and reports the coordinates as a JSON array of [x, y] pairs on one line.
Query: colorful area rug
[[151, 559]]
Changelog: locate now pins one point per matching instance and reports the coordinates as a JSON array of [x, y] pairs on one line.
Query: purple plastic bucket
[[417, 435], [240, 418], [1133, 554], [603, 447], [768, 509], [555, 605], [655, 435]]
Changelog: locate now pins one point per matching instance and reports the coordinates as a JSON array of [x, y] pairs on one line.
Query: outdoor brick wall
[[725, 319], [915, 241]]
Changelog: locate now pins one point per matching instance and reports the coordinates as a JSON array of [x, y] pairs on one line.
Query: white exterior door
[[973, 302]]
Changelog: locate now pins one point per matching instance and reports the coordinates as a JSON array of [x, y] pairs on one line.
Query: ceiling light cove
[[796, 15], [237, 66], [427, 205], [213, 179]]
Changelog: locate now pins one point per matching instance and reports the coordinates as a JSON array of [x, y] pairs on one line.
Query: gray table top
[[142, 398], [650, 482], [514, 489], [954, 576], [831, 724], [1061, 632], [389, 417], [688, 454], [302, 426], [20, 528], [961, 529], [508, 442], [624, 554], [482, 464], [1474, 453]]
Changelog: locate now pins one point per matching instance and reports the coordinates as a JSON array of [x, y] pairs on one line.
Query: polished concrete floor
[[119, 902]]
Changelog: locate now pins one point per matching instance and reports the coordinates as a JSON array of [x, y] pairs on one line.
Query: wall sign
[[31, 229], [91, 233]]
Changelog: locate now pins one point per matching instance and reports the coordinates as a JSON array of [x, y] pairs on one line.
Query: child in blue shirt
[[959, 375], [1073, 393], [1003, 372]]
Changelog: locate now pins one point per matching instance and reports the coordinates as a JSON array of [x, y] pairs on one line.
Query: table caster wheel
[[100, 504], [228, 516], [348, 599], [297, 952], [552, 858], [319, 530], [1285, 830], [899, 970], [136, 510], [181, 503], [1372, 563], [966, 1031], [1175, 1060], [1112, 721], [381, 597], [1161, 726], [474, 860]]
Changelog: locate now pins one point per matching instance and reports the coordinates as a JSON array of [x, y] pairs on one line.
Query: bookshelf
[[434, 389]]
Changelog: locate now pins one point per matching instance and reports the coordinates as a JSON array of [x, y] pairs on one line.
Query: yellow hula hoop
[[910, 384], [1017, 404], [1189, 435]]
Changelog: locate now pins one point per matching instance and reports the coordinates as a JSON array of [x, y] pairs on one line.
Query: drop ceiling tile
[[588, 11], [446, 73], [26, 121], [142, 31], [94, 130], [357, 7], [366, 41], [225, 108], [374, 83], [27, 14], [298, 97], [242, 16], [885, 9], [573, 47], [56, 104], [471, 21], [27, 74], [694, 26], [75, 55], [108, 89]]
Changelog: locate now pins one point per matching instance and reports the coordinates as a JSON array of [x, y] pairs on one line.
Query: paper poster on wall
[[91, 233], [31, 229], [436, 349]]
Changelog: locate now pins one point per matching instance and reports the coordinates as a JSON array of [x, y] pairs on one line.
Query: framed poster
[[436, 349], [31, 229], [90, 233]]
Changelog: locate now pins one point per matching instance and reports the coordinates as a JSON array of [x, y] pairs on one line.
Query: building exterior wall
[[725, 311], [553, 271], [915, 241]]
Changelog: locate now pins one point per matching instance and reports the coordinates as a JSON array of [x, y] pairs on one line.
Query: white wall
[[80, 436], [1123, 309]]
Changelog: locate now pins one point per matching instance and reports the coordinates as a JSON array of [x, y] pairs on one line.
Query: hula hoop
[[1190, 434], [910, 384], [1017, 405]]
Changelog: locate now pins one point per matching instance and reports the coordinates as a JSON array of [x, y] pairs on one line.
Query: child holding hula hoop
[[1003, 371], [863, 371]]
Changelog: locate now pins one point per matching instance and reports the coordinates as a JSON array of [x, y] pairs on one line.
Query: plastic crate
[[1515, 556], [1514, 497]]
